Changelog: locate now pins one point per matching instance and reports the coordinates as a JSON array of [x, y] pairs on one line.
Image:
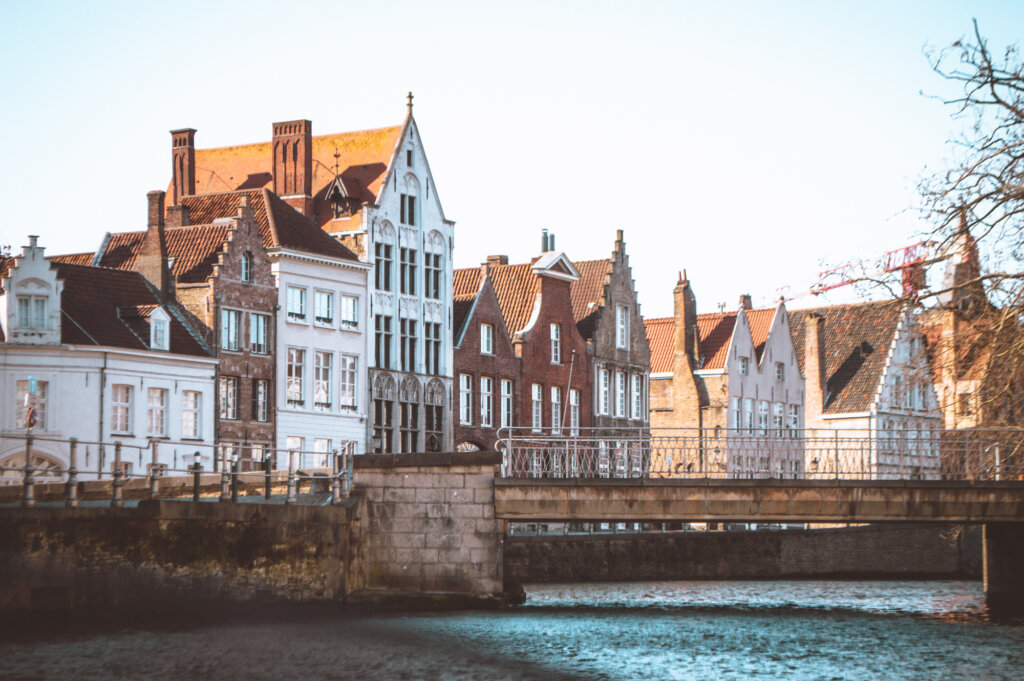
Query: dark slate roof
[[856, 341], [195, 250]]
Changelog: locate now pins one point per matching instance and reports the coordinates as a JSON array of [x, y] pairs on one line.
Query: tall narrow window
[[324, 307], [556, 410], [382, 266], [158, 340], [383, 337], [296, 369], [762, 418], [748, 414], [349, 312], [794, 420], [620, 394], [321, 449], [296, 304], [780, 371], [636, 401], [322, 380], [621, 326], [191, 401], [259, 329], [382, 431], [744, 366], [409, 427], [407, 209], [407, 329], [574, 412], [556, 344], [506, 403], [121, 409], [407, 279], [230, 330], [537, 407], [778, 416], [737, 417], [486, 401], [349, 370], [432, 351], [38, 402], [432, 275], [433, 427], [261, 399], [228, 391], [487, 339], [604, 392], [465, 399], [247, 267]]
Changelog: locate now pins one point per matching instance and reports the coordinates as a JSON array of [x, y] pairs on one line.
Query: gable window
[[487, 339], [32, 312], [537, 404], [228, 397], [486, 401], [261, 399], [158, 334], [506, 403], [322, 380], [230, 329], [324, 307], [780, 371], [383, 340], [38, 403], [247, 267], [407, 330], [121, 409], [407, 271], [556, 344], [621, 326], [556, 410], [259, 342], [156, 412], [349, 312], [432, 356], [604, 392], [432, 275], [190, 414], [744, 366], [407, 209], [296, 304], [349, 385], [296, 368], [408, 157], [465, 399], [382, 268]]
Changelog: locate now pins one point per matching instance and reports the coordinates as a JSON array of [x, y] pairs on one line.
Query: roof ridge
[[325, 135], [271, 221]]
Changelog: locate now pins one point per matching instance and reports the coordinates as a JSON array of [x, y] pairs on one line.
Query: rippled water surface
[[650, 630]]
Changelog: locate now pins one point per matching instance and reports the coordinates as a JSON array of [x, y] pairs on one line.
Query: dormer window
[[247, 267], [32, 311], [744, 366], [159, 336]]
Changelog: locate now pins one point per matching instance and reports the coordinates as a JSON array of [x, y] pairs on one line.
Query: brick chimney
[[685, 306], [292, 148], [183, 164], [177, 216], [814, 367], [745, 302], [151, 261], [494, 260]]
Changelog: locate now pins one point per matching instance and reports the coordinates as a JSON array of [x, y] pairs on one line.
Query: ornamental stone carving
[[410, 390], [407, 238], [408, 308], [383, 301], [384, 387], [432, 312], [435, 393]]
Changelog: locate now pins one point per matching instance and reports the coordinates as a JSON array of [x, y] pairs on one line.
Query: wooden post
[[154, 473], [72, 489], [115, 499]]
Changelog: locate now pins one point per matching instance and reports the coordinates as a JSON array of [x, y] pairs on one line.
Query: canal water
[[650, 630]]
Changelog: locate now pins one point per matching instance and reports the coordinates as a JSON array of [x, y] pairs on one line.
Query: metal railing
[[327, 471], [820, 454]]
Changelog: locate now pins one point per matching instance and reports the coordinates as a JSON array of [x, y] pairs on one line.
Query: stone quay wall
[[427, 528], [894, 551]]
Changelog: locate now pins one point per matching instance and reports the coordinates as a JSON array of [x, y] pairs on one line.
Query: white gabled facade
[[322, 324], [94, 393], [409, 242]]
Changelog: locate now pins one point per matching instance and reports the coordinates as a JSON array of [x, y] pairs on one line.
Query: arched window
[[247, 267]]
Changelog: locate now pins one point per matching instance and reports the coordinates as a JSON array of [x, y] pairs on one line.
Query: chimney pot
[[543, 241], [156, 208], [745, 302]]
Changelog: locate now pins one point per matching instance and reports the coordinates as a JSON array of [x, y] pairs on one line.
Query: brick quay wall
[[883, 551]]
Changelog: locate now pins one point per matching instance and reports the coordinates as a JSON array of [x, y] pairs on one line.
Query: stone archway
[[45, 468]]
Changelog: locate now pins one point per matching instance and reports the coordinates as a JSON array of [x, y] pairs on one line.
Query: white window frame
[[636, 403], [230, 329], [465, 399], [227, 396], [620, 394], [38, 402], [296, 304], [748, 413], [556, 410], [778, 418], [33, 312], [156, 412], [506, 403], [737, 414], [574, 412], [486, 401], [487, 339], [159, 332], [556, 343], [780, 371], [323, 367], [121, 409], [327, 297], [261, 388], [744, 366], [536, 407], [259, 333], [604, 392], [295, 390], [762, 417], [622, 327], [191, 414], [348, 370], [348, 313], [246, 268]]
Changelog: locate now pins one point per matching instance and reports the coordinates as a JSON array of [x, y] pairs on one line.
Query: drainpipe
[[103, 386], [568, 390]]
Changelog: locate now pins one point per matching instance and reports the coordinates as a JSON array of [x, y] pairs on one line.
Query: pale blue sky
[[747, 142]]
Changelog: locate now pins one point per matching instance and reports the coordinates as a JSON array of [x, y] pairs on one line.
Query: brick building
[[730, 379], [487, 369], [608, 317]]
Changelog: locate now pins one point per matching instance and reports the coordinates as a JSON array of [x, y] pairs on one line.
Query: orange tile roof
[[515, 285], [661, 337], [74, 258], [856, 339], [195, 250], [588, 292], [363, 159]]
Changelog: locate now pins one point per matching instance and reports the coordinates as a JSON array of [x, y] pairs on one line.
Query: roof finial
[[337, 155], [408, 99]]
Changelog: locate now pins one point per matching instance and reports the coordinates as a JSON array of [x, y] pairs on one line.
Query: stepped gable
[[856, 341], [588, 292], [108, 307], [194, 249]]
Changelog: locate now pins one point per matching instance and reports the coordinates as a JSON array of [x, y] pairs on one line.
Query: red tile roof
[[715, 330], [515, 285], [109, 307], [588, 292], [363, 159], [661, 337], [856, 341], [194, 249], [74, 258]]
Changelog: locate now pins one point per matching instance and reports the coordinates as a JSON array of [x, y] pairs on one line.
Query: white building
[[110, 361]]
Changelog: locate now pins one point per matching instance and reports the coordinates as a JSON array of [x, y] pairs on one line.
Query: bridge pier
[[1004, 568]]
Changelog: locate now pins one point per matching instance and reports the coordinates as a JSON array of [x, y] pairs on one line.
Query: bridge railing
[[820, 454], [330, 472]]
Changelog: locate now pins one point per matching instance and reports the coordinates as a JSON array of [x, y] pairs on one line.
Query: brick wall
[[428, 526]]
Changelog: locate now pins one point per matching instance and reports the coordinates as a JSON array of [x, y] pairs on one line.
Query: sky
[[752, 144]]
